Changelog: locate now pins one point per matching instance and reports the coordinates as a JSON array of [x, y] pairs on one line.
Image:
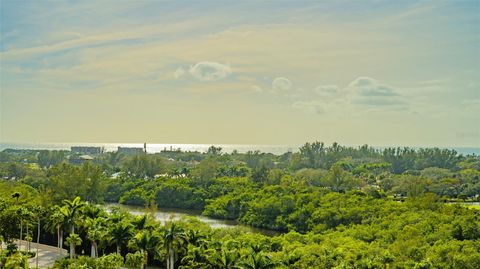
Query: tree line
[[335, 207]]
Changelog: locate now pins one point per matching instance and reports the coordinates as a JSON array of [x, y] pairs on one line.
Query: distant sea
[[154, 148]]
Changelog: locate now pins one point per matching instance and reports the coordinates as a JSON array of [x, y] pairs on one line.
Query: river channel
[[173, 214]]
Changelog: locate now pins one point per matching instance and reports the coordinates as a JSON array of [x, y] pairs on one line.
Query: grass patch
[[477, 207]]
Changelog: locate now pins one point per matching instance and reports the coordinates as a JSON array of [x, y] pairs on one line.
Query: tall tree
[[94, 234], [313, 154], [55, 223], [174, 238], [145, 241], [121, 232], [38, 211], [71, 211], [24, 215], [224, 259]]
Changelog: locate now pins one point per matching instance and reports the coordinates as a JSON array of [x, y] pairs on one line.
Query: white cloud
[[311, 107], [366, 86], [179, 73], [281, 84], [210, 71], [366, 91], [362, 93]]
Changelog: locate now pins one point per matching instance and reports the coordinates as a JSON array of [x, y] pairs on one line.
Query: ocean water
[[154, 148]]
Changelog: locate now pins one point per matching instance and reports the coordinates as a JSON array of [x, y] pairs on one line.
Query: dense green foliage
[[337, 207], [399, 171]]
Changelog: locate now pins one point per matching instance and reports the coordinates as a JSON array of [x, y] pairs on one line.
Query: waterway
[[173, 214], [228, 148]]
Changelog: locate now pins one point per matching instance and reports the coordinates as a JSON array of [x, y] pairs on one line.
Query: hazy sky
[[245, 72]]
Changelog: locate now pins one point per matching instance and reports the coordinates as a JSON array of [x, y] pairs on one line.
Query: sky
[[384, 73]]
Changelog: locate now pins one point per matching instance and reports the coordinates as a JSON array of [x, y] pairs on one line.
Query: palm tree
[[73, 240], [93, 211], [258, 260], [257, 247], [22, 213], [70, 210], [195, 238], [55, 223], [27, 216], [105, 240], [291, 259], [232, 244], [197, 257], [134, 260], [142, 223], [29, 240], [121, 232], [114, 158], [145, 241], [94, 234], [174, 238], [224, 259], [39, 210]]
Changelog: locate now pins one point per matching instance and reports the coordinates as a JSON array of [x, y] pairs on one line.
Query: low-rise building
[[86, 150], [130, 151]]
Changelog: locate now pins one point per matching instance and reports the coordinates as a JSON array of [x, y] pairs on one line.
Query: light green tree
[[73, 240]]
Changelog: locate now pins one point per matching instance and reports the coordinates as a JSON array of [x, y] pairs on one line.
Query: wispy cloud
[[179, 73], [311, 107], [284, 58], [327, 91], [361, 94], [142, 33], [366, 91]]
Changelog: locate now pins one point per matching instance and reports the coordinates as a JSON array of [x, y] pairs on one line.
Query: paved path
[[47, 255]]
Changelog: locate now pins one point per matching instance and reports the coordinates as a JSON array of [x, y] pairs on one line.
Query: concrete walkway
[[47, 255]]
